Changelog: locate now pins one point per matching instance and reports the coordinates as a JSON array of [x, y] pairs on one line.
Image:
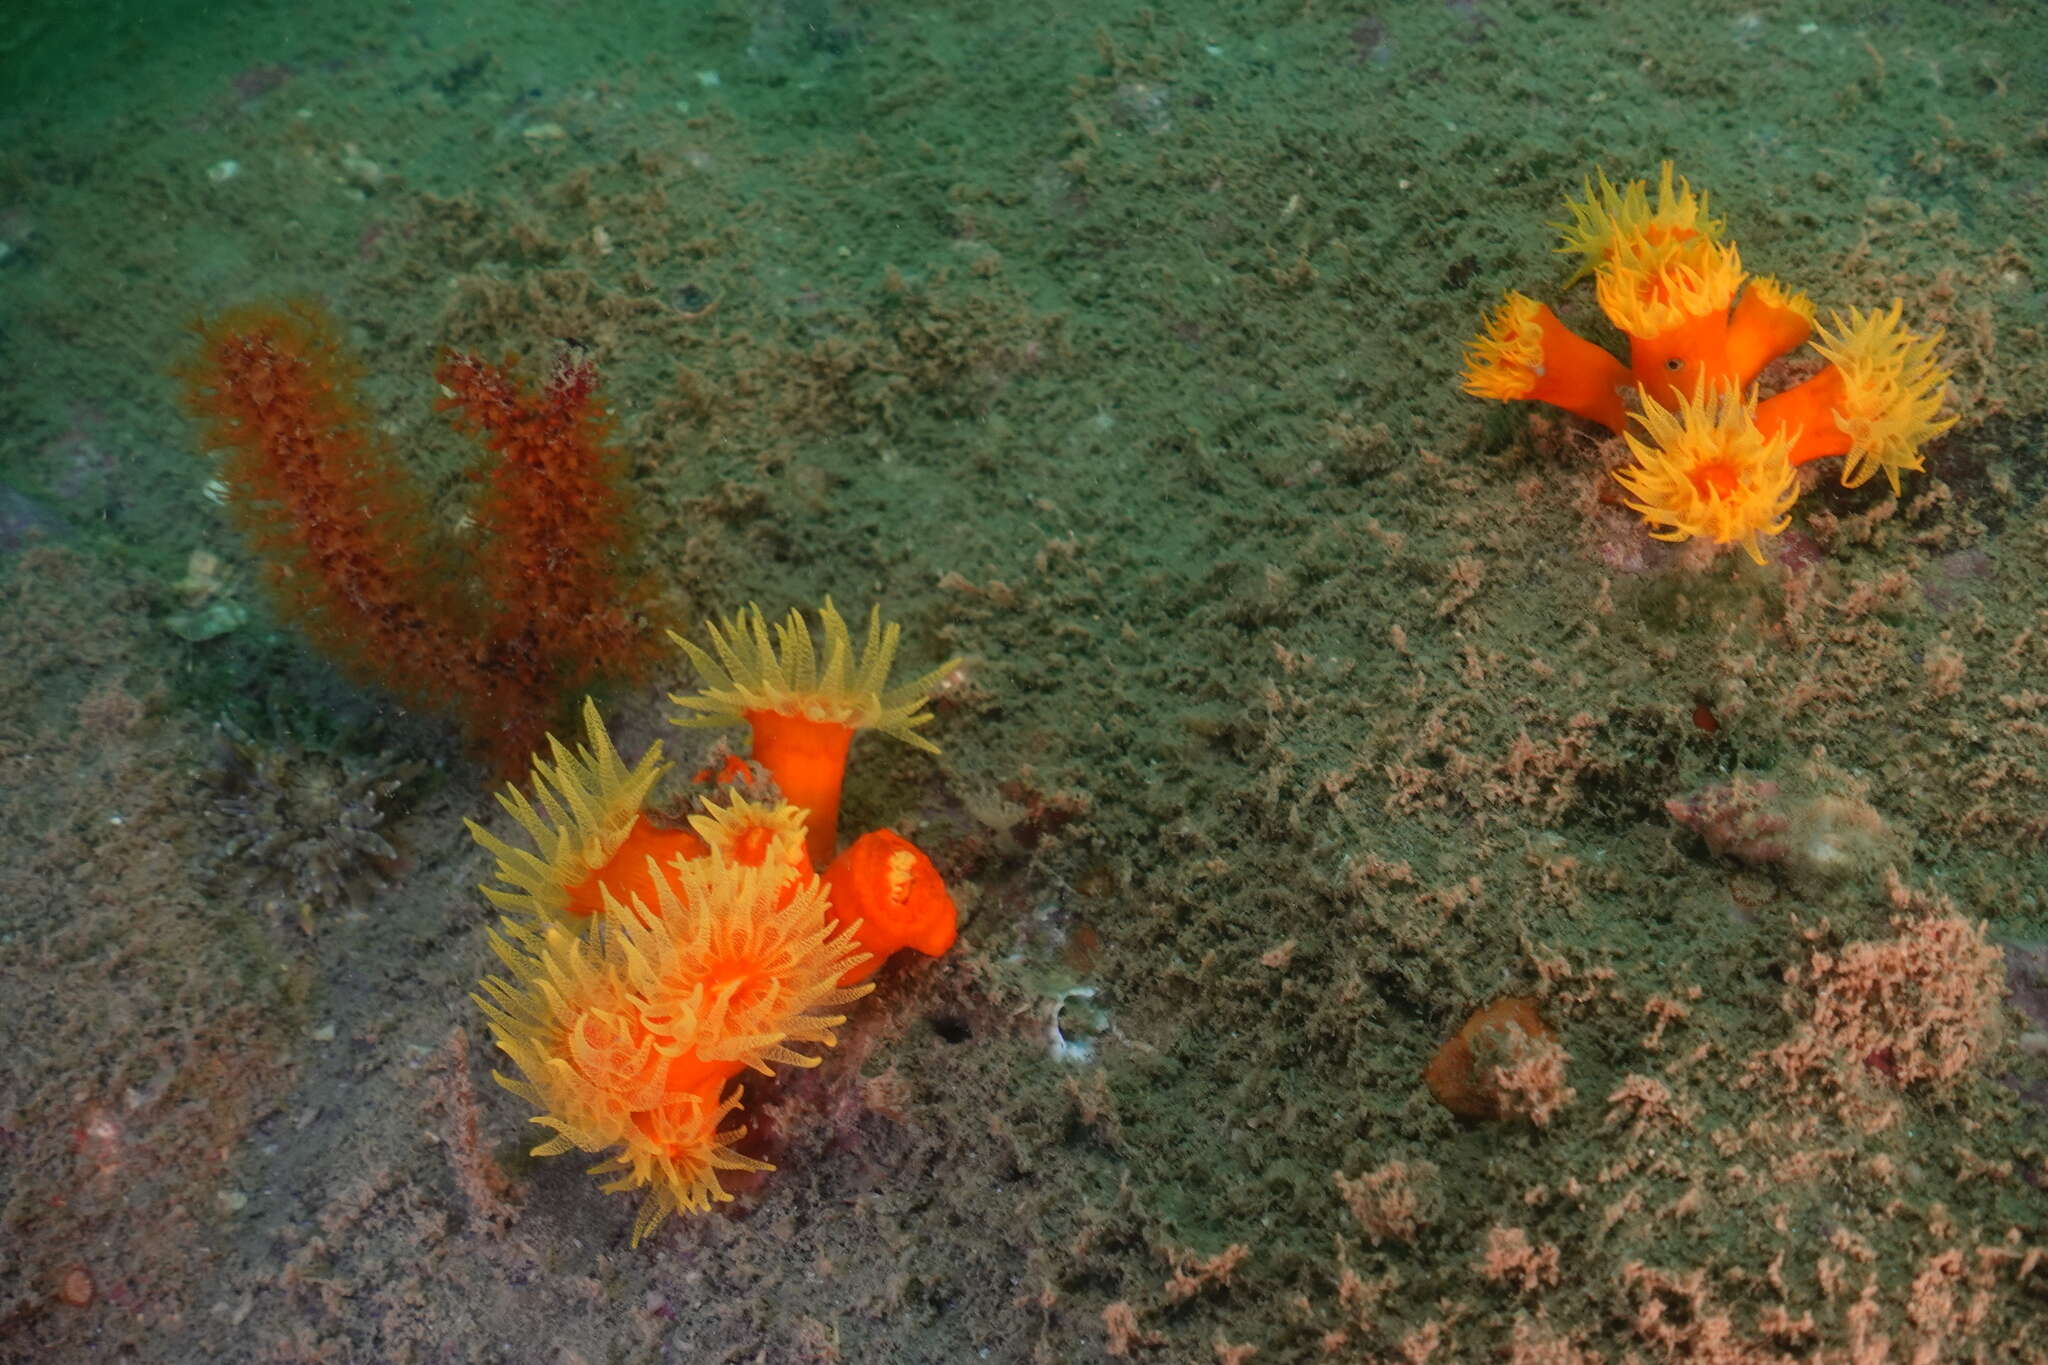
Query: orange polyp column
[[1674, 364], [1809, 407], [1762, 329], [626, 875], [1526, 355], [807, 759], [1579, 376]]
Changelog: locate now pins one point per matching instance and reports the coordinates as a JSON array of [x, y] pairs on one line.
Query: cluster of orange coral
[[350, 551], [650, 965], [1712, 460]]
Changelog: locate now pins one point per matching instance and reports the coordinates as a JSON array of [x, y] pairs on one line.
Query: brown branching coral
[[500, 632], [308, 830]]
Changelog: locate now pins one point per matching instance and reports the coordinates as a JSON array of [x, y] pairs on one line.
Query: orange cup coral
[[1504, 1062], [896, 899], [648, 966], [591, 835], [1875, 404], [1708, 470], [625, 1040], [753, 834], [1617, 225], [803, 717], [1700, 330], [1526, 353]]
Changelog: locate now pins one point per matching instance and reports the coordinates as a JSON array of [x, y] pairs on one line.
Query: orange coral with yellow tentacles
[[649, 965], [804, 717], [1717, 462], [1708, 471], [626, 1039]]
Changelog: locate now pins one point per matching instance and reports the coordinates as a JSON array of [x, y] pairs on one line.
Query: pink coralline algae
[[1921, 1008]]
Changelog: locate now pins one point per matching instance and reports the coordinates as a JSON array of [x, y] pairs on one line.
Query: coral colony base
[[1713, 462]]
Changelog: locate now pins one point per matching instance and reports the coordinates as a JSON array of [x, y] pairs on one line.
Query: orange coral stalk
[[1718, 348], [1526, 353], [895, 898], [629, 876], [1806, 413], [1674, 363], [804, 719], [807, 759]]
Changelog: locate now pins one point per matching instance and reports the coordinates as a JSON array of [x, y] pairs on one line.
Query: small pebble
[[74, 1287]]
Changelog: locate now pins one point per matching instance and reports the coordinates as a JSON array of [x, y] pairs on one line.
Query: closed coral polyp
[[888, 891], [1503, 1062]]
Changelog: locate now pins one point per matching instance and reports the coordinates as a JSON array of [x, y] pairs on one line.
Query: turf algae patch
[[148, 1028]]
